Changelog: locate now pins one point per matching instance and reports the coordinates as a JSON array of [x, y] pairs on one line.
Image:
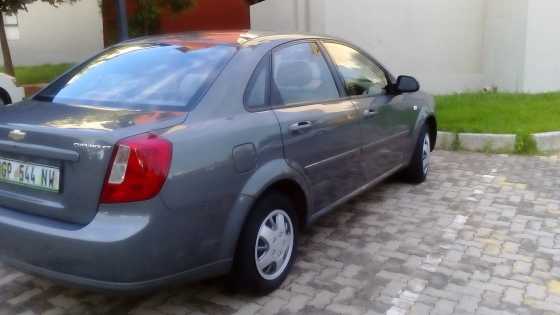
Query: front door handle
[[370, 112], [302, 125]]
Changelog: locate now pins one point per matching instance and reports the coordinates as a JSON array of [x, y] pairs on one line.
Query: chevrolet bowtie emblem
[[17, 135]]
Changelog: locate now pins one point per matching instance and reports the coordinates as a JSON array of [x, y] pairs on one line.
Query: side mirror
[[407, 84]]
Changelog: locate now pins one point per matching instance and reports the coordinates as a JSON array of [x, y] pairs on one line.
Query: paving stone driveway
[[481, 236]]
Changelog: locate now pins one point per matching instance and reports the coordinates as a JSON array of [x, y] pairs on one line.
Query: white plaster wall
[[437, 41], [504, 44], [68, 33], [317, 17], [275, 15], [450, 46], [542, 57]]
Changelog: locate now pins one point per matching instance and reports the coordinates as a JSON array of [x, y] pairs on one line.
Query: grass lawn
[[520, 114], [39, 74]]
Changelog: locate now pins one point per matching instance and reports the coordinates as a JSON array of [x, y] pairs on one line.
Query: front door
[[321, 131], [384, 133]]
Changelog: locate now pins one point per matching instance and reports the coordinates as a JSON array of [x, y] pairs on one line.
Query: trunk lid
[[79, 141]]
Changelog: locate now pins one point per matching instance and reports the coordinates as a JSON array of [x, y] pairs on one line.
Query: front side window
[[141, 75], [361, 75], [301, 74]]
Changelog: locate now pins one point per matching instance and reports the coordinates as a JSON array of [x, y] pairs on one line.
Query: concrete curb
[[478, 142], [446, 140], [487, 142], [547, 141]]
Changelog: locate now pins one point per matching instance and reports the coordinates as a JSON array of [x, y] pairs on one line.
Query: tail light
[[139, 168]]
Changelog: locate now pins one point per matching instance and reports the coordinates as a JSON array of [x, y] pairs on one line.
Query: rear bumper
[[121, 249], [195, 274]]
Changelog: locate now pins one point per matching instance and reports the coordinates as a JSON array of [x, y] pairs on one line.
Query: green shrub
[[525, 144]]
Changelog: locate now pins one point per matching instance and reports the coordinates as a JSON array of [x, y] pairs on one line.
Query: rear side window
[[142, 75], [361, 75], [256, 95], [301, 74]]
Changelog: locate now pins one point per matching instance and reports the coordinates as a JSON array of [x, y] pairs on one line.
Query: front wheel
[[419, 166], [267, 247]]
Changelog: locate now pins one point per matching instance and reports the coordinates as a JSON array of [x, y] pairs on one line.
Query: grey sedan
[[177, 158]]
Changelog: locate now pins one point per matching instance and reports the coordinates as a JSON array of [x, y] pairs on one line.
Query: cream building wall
[[542, 49], [504, 44], [65, 34], [449, 46]]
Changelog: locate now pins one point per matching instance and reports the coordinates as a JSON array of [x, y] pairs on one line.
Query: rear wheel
[[419, 166], [267, 247]]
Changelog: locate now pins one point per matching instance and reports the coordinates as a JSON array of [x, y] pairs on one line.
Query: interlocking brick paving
[[482, 236]]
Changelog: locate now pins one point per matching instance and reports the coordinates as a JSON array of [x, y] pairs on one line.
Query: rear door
[[321, 131], [384, 130]]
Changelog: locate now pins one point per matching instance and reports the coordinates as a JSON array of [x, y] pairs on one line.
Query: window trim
[[339, 81], [388, 76]]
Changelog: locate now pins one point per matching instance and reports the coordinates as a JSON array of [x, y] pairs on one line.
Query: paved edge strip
[[547, 141], [496, 143]]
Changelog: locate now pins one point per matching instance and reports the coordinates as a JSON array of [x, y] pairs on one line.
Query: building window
[[11, 20], [11, 24]]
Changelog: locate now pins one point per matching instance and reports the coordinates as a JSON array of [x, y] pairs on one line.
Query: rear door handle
[[302, 125], [370, 112]]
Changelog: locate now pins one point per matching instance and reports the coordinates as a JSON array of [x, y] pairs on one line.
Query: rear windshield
[[163, 76]]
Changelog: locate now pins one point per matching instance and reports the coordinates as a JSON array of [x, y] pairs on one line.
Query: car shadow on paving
[[482, 235]]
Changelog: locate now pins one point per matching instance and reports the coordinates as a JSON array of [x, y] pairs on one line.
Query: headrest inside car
[[294, 74]]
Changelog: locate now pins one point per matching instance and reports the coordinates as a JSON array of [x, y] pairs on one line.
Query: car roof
[[213, 38]]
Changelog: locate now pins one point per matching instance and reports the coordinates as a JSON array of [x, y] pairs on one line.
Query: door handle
[[370, 112], [302, 125]]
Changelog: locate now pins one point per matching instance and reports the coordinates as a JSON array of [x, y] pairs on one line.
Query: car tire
[[419, 167], [267, 248]]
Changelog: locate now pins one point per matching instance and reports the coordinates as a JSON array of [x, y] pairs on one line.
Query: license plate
[[31, 175]]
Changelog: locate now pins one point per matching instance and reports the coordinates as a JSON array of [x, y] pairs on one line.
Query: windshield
[[164, 76]]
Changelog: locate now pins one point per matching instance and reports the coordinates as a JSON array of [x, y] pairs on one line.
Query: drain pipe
[[122, 19]]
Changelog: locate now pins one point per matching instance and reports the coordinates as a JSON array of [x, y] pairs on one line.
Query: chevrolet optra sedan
[[183, 157]]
